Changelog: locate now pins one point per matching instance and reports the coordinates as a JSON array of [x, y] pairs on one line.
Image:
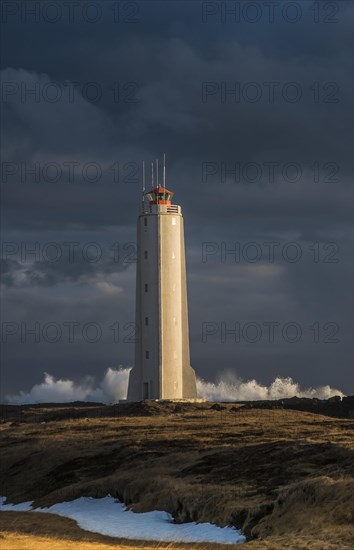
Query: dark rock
[[218, 407]]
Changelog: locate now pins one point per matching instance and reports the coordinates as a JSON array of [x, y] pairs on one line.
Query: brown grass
[[11, 541], [283, 476], [30, 542]]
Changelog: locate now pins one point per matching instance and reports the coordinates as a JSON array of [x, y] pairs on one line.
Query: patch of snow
[[109, 517], [22, 507]]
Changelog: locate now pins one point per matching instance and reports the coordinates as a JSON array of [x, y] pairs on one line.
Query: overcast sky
[[252, 104]]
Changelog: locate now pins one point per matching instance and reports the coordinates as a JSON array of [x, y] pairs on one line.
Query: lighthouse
[[162, 365]]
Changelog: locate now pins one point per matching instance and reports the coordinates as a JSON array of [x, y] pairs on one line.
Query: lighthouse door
[[146, 390]]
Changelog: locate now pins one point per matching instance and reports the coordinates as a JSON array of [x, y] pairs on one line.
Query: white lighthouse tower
[[162, 366]]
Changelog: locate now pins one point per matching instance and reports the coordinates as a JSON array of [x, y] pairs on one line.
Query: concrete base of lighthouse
[[136, 388]]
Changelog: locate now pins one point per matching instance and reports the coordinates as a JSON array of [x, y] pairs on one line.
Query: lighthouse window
[[146, 254], [146, 321], [145, 222], [173, 221], [147, 355], [146, 287]]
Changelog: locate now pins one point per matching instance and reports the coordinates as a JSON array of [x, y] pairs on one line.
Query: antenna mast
[[152, 175], [164, 169], [143, 188], [157, 172]]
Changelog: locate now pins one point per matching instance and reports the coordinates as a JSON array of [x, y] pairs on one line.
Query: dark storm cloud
[[85, 161], [65, 264], [7, 269], [173, 107]]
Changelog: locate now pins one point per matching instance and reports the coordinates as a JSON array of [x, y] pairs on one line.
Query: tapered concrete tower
[[162, 366]]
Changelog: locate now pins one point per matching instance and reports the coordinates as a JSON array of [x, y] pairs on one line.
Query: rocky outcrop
[[334, 406]]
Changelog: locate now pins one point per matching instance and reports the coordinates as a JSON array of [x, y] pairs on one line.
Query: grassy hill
[[285, 477]]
